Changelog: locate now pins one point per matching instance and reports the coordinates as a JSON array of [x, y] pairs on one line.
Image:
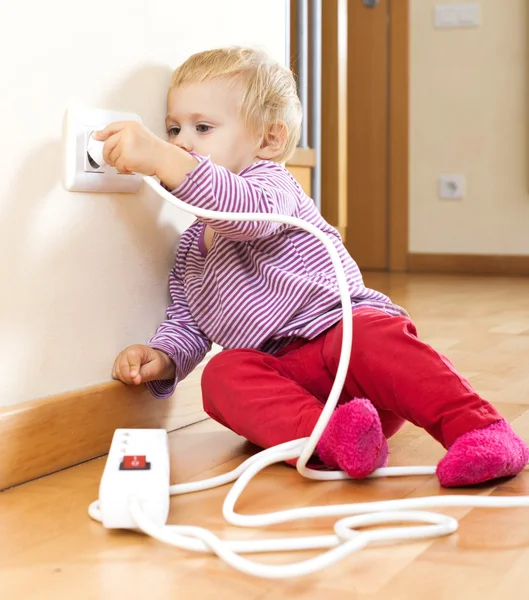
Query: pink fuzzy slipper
[[482, 455], [353, 440]]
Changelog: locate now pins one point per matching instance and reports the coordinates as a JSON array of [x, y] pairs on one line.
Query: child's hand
[[139, 364], [131, 148]]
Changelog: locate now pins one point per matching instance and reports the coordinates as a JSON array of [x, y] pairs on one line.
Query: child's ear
[[274, 141]]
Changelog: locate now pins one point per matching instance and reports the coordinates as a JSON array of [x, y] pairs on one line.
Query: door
[[377, 202], [367, 133]]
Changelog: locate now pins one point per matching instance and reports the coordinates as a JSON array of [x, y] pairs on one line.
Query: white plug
[[94, 149]]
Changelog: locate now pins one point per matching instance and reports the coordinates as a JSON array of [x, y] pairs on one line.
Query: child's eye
[[202, 128], [173, 131]]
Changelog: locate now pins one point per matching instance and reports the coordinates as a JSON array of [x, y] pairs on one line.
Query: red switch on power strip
[[134, 463]]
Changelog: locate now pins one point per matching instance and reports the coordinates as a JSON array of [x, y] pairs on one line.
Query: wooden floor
[[50, 549]]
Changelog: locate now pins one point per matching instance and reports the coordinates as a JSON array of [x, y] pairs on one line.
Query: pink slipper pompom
[[353, 440], [482, 455]]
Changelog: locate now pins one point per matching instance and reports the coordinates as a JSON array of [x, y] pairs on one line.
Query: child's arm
[[131, 148], [262, 188], [265, 188], [179, 337]]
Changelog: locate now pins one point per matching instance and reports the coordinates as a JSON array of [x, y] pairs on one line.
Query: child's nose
[[183, 143]]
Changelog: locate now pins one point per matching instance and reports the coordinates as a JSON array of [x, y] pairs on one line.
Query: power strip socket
[[137, 467]]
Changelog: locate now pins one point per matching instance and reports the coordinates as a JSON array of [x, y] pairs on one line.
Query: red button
[[134, 462]]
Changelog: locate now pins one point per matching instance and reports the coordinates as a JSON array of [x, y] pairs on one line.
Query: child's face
[[203, 118]]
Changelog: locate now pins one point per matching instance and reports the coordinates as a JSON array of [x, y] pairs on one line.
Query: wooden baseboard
[[44, 436], [478, 264]]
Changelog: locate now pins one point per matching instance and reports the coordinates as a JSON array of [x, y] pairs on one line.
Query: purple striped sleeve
[[179, 337], [261, 188]]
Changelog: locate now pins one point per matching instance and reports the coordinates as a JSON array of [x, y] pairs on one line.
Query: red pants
[[270, 399]]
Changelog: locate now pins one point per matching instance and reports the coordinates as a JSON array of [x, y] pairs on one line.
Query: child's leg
[[252, 394], [273, 399], [400, 373]]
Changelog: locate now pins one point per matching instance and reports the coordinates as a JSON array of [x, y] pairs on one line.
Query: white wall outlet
[[452, 186], [449, 16], [79, 175]]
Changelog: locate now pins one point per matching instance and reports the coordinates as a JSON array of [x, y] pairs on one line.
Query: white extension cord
[[347, 538]]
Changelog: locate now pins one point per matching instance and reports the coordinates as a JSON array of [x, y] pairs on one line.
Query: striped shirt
[[260, 285]]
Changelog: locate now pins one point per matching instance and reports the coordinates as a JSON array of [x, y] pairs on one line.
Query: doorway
[[364, 133]]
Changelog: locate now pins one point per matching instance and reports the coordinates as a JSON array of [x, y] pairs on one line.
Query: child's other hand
[[139, 364], [131, 148]]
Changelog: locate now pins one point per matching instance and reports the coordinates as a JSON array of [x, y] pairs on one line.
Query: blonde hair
[[269, 89]]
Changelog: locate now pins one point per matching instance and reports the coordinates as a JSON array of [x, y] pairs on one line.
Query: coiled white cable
[[347, 538]]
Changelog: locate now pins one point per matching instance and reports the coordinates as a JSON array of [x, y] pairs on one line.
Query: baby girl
[[267, 293]]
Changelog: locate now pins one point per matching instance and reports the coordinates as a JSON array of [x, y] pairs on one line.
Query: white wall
[[84, 275], [469, 115]]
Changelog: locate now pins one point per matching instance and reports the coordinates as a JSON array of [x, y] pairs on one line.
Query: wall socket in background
[[449, 16], [452, 187]]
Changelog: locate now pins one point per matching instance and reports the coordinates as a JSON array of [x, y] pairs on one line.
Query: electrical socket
[[78, 174], [452, 186]]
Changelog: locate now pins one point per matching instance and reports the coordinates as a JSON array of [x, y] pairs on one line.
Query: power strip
[[137, 468]]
